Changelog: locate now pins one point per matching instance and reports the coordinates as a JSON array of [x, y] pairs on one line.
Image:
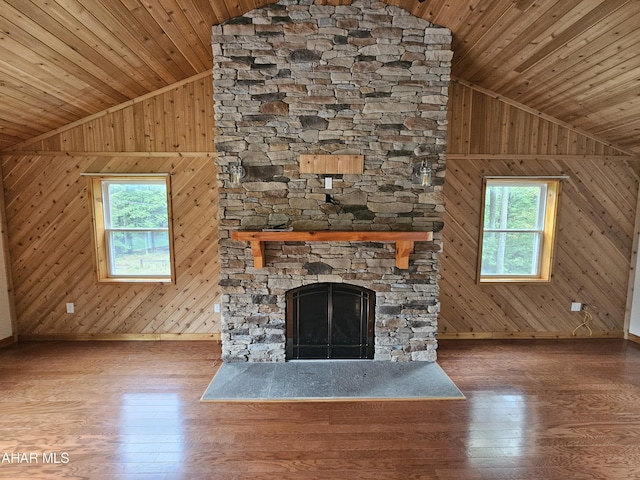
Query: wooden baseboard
[[82, 337], [5, 342], [135, 337], [526, 335]]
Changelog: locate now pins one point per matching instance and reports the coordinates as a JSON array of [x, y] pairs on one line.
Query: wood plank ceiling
[[62, 60]]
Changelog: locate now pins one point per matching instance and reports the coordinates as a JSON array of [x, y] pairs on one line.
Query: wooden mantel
[[404, 241]]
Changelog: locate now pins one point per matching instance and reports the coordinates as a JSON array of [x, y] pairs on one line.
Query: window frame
[[100, 243], [546, 251]]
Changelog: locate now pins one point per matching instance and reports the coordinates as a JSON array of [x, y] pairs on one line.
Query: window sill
[[137, 280], [512, 280]]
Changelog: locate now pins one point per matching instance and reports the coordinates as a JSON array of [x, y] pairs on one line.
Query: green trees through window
[[517, 226], [512, 229], [132, 228], [136, 224]]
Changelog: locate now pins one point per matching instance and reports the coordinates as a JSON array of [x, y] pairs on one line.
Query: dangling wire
[[586, 319]]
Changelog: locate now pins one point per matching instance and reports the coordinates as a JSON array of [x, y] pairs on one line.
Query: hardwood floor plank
[[535, 409]]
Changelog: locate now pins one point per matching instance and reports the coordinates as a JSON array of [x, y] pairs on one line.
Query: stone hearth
[[296, 78]]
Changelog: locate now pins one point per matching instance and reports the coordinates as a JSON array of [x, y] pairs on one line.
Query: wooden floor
[[534, 410]]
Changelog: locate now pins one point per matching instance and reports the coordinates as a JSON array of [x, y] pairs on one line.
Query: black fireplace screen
[[330, 320]]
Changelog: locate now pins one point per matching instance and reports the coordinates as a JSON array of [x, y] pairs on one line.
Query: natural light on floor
[[150, 437]]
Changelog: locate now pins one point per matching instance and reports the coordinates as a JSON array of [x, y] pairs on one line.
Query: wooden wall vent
[[332, 164]]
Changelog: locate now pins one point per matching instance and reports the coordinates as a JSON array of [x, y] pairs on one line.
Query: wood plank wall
[[174, 119], [49, 225], [172, 131], [489, 136]]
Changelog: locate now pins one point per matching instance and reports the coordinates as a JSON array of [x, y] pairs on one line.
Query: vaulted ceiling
[[62, 60]]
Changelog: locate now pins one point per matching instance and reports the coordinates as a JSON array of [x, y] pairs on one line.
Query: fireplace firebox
[[330, 321]]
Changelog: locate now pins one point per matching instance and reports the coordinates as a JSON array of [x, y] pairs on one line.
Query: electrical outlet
[[576, 306], [71, 308], [328, 182], [216, 307]]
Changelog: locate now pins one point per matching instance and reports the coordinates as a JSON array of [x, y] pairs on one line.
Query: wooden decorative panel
[[332, 164], [332, 2]]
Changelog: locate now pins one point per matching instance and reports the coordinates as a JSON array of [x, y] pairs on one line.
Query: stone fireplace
[[365, 79]]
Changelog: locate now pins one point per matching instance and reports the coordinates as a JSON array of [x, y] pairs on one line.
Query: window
[[518, 229], [132, 228]]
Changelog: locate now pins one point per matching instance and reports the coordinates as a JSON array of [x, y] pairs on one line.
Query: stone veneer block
[[366, 79]]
